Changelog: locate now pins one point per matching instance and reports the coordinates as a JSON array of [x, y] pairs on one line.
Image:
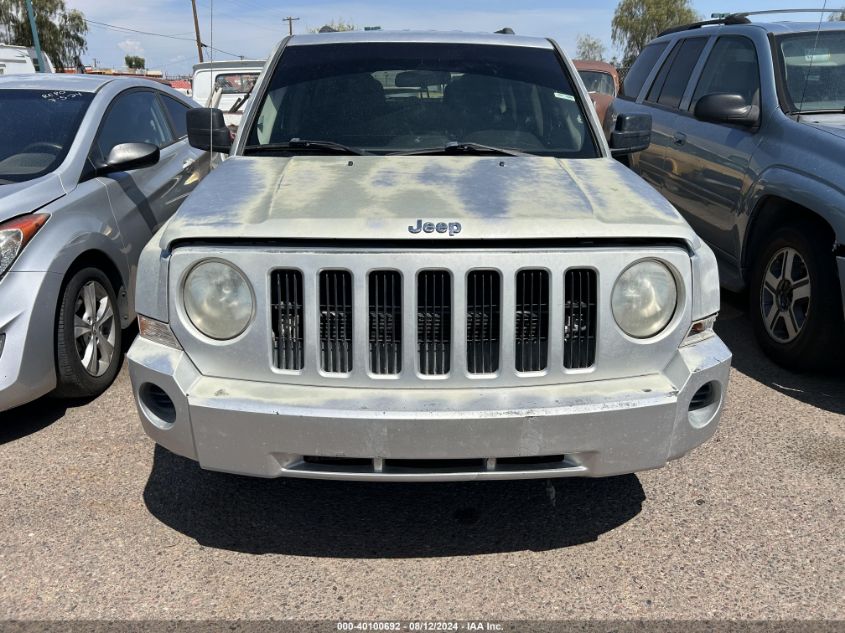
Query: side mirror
[[632, 133], [207, 130], [727, 108], [129, 156]]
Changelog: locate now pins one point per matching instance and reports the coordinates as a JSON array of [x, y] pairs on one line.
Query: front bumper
[[27, 321], [591, 429]]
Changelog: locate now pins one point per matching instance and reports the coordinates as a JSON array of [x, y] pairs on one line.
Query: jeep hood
[[19, 198], [380, 197]]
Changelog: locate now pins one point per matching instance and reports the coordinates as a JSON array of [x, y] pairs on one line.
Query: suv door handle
[[679, 139]]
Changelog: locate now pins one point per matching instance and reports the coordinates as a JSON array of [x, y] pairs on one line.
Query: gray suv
[[748, 142]]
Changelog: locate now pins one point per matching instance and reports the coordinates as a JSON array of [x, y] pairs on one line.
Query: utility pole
[[197, 29], [290, 22], [35, 39]]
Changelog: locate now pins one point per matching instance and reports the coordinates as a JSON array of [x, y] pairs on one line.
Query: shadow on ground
[[825, 391], [384, 520]]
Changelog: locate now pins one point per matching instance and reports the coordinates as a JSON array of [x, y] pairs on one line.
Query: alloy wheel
[[785, 295], [94, 328]]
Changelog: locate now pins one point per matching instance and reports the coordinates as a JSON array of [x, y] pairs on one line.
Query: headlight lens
[[15, 234], [644, 299], [218, 300]]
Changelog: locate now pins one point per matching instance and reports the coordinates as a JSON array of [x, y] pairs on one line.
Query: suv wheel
[[795, 301], [88, 335]]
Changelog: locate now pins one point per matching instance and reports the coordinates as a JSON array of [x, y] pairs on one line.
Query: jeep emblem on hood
[[453, 228]]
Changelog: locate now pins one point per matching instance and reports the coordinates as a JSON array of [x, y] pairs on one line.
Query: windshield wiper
[[461, 147], [821, 111], [297, 143]]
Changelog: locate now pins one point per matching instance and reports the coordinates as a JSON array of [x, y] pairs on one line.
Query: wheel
[[795, 302], [88, 335]]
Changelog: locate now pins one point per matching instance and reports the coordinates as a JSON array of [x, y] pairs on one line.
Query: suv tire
[[88, 335], [795, 302]]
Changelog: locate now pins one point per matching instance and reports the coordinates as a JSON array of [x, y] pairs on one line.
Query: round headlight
[[644, 299], [218, 300]]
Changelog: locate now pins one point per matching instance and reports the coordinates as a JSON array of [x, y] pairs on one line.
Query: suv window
[[177, 111], [732, 68], [640, 69], [671, 82], [134, 117], [403, 96]]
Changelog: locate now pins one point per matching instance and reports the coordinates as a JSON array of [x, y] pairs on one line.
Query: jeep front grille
[[434, 322], [531, 334], [336, 321], [288, 328], [579, 318], [385, 311], [483, 316]]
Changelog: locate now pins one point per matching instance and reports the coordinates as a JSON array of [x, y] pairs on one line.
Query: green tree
[[60, 31], [839, 16], [335, 26], [637, 22], [589, 48], [135, 62]]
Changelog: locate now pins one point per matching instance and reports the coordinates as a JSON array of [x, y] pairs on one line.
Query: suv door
[[665, 95], [711, 160]]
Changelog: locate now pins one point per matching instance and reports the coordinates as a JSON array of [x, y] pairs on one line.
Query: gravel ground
[[96, 522]]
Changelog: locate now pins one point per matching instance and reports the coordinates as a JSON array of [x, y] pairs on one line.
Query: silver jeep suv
[[421, 262], [749, 145]]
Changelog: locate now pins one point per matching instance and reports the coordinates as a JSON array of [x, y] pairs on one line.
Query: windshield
[[596, 81], [235, 83], [394, 97], [37, 128], [814, 71]]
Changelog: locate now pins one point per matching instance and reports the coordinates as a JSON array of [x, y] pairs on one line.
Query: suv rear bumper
[[592, 429]]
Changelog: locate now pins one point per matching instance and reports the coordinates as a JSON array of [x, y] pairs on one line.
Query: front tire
[[795, 300], [88, 335]]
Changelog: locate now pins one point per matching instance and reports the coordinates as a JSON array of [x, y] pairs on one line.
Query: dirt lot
[[97, 522]]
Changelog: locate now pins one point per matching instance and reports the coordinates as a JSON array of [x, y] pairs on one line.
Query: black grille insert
[[579, 318], [286, 312], [385, 322], [483, 313], [336, 321], [434, 321], [531, 325], [702, 398]]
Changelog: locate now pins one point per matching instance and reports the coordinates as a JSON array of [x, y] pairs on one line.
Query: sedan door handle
[[679, 139]]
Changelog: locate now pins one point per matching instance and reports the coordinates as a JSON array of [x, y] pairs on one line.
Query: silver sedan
[[90, 168]]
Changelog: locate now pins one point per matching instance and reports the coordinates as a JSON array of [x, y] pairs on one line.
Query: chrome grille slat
[[579, 318], [434, 327], [483, 301], [335, 321], [531, 327], [287, 321], [385, 322]]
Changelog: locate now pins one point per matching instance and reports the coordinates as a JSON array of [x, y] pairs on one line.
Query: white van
[[222, 84], [15, 60]]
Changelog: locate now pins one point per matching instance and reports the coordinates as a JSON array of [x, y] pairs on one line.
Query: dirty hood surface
[[378, 197], [830, 123], [18, 198]]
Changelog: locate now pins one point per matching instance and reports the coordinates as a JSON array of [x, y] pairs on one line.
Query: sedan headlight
[[15, 234], [644, 299], [218, 300]]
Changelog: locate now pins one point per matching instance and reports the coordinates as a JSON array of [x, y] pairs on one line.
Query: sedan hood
[[18, 198], [384, 198]]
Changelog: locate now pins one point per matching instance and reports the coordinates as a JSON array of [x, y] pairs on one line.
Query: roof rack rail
[[738, 18]]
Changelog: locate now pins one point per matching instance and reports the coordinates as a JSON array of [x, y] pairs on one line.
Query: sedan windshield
[[814, 71], [37, 128], [404, 97]]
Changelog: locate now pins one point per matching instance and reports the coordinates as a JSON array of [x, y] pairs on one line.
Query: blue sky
[[252, 27]]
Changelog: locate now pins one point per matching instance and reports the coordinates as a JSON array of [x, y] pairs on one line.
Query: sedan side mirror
[[631, 133], [732, 109], [207, 130], [129, 156]]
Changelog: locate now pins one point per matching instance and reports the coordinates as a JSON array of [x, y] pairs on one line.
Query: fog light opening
[[704, 404], [157, 405]]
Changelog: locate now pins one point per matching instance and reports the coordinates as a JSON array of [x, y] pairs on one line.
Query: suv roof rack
[[738, 18]]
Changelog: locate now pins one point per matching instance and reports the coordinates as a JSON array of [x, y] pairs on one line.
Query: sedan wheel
[[94, 328], [88, 335]]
